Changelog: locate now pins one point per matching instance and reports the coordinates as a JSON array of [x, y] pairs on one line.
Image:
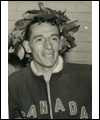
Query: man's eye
[[54, 38], [39, 40]]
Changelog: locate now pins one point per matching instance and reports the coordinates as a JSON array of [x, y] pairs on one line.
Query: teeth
[[48, 55]]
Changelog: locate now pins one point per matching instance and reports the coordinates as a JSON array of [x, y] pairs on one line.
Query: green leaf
[[71, 25], [28, 16], [19, 22], [11, 50], [16, 48], [75, 29], [58, 21], [22, 23], [63, 41], [15, 41], [20, 52], [64, 12], [26, 46], [42, 14], [65, 32], [41, 5], [28, 56], [64, 18], [14, 32], [32, 11], [18, 34], [71, 39], [19, 28]]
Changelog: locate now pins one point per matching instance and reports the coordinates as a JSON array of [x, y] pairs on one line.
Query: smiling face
[[44, 44]]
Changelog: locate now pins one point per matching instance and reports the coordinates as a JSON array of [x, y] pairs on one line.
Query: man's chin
[[48, 65]]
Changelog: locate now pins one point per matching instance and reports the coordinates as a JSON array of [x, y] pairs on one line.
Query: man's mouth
[[48, 55]]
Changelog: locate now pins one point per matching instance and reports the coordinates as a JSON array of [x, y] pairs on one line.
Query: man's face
[[44, 43]]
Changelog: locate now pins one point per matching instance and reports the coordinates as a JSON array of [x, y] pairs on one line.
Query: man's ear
[[27, 46], [60, 46], [62, 42]]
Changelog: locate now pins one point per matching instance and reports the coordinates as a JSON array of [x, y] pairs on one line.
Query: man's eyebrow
[[55, 35], [42, 35], [37, 36]]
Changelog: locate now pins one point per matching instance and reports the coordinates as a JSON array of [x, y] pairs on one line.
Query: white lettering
[[59, 105], [73, 108], [23, 114], [83, 113], [32, 112], [43, 107]]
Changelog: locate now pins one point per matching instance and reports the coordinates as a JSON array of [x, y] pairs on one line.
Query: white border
[[95, 59], [4, 59]]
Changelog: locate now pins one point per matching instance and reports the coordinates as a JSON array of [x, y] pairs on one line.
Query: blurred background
[[75, 10]]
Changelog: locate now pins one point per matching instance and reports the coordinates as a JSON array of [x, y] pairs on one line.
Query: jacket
[[68, 95]]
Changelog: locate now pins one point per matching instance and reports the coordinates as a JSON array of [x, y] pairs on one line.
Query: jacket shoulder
[[77, 67], [79, 73], [19, 76]]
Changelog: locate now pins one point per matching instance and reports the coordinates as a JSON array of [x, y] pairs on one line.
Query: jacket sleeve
[[14, 111]]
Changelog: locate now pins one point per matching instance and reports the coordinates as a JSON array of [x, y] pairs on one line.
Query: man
[[49, 88]]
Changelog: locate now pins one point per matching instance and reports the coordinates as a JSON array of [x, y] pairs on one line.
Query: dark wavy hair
[[39, 21]]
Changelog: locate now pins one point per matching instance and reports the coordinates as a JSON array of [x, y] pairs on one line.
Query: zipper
[[49, 99]]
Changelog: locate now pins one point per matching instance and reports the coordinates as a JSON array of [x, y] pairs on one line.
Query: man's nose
[[47, 44]]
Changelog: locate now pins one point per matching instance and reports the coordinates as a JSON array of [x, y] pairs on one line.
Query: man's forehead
[[45, 28]]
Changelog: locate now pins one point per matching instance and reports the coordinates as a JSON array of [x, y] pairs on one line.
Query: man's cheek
[[38, 52], [56, 49]]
